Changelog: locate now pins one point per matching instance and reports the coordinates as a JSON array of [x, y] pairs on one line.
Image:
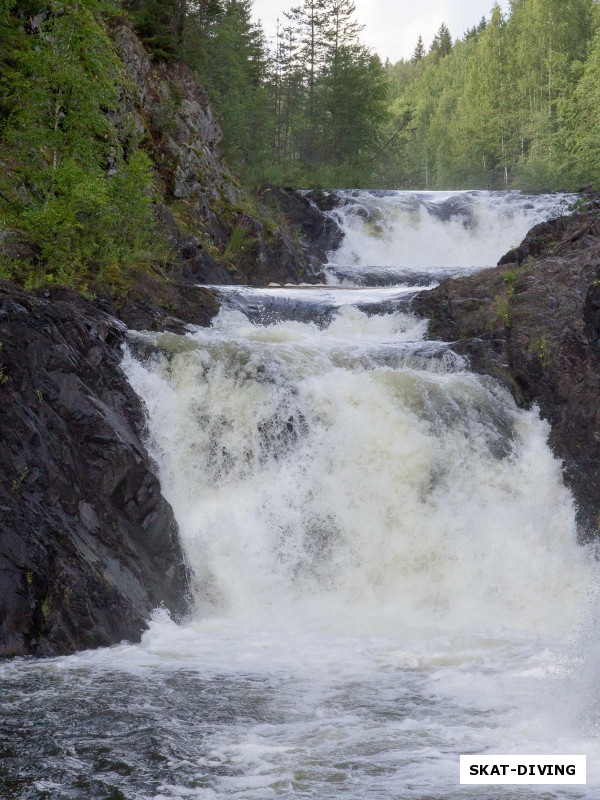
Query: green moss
[[17, 482], [542, 349], [47, 607]]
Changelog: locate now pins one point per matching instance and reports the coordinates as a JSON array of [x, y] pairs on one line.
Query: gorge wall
[[89, 545], [216, 232]]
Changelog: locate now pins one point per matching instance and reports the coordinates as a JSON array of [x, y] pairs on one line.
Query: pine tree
[[444, 40], [234, 67], [354, 89], [160, 25], [290, 70], [340, 28], [419, 51], [309, 22]]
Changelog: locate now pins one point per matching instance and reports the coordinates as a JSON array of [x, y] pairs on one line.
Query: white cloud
[[393, 26]]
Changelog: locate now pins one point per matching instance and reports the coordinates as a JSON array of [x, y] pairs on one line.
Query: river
[[386, 567]]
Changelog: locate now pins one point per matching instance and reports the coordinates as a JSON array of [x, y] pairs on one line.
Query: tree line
[[309, 108], [514, 103]]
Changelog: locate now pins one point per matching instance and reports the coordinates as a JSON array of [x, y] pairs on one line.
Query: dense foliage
[[514, 103], [312, 110], [67, 185], [329, 95]]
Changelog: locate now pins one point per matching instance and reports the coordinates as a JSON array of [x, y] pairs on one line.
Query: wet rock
[[308, 213], [533, 322], [89, 546]]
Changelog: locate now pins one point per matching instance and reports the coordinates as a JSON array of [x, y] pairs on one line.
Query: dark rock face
[[162, 305], [309, 213], [534, 323], [89, 546]]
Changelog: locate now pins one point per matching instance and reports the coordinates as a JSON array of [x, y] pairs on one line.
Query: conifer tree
[[444, 41], [419, 51], [309, 21], [160, 25]]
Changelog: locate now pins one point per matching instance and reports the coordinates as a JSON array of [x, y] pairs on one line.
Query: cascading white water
[[385, 557], [448, 230], [308, 474], [370, 525]]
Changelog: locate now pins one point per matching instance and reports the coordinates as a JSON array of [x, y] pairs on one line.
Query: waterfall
[[386, 571], [453, 231], [350, 471]]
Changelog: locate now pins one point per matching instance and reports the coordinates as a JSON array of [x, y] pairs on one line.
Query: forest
[[512, 103]]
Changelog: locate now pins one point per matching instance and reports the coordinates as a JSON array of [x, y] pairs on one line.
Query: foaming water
[[436, 229], [385, 563], [353, 481]]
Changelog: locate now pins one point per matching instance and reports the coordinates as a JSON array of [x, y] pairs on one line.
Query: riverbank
[[533, 322]]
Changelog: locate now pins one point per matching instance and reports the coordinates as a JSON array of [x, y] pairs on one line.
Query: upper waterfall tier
[[413, 230]]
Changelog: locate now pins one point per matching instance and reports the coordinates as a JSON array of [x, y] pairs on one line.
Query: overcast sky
[[392, 27]]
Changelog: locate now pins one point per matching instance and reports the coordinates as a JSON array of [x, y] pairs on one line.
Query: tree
[[59, 141], [309, 21], [230, 56], [419, 51], [340, 28], [442, 42], [484, 115], [549, 38], [160, 25], [583, 121], [354, 90], [5, 7], [289, 71]]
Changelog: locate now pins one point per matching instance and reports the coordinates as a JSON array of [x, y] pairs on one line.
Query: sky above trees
[[393, 26]]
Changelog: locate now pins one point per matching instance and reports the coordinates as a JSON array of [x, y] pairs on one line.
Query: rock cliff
[[534, 323], [216, 232], [89, 546]]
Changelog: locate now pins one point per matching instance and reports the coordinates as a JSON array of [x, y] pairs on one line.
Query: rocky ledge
[[89, 546], [534, 323]]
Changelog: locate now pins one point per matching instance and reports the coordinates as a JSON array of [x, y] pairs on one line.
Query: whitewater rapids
[[385, 558]]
